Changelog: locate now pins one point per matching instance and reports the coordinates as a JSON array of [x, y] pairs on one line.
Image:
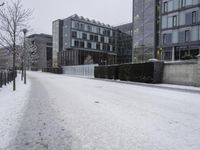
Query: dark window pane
[[102, 39], [82, 44], [91, 37], [174, 21], [187, 35], [89, 45], [84, 36], [76, 43], [74, 34], [165, 6], [194, 17]]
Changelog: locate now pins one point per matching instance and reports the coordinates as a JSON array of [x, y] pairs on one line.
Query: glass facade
[[124, 43], [144, 29]]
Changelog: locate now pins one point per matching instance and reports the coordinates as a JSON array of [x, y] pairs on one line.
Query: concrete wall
[[82, 70], [183, 73]]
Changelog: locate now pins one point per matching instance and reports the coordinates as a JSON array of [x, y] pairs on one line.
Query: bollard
[[4, 78], [1, 80]]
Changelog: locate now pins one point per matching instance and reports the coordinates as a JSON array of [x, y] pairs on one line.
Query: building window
[[82, 44], [108, 47], [104, 47], [110, 41], [164, 38], [182, 3], [74, 34], [104, 31], [98, 46], [102, 39], [108, 32], [98, 30], [82, 26], [84, 35], [194, 17], [89, 28], [91, 37], [96, 38], [174, 21], [77, 25], [76, 43], [165, 6], [89, 45], [49, 44], [187, 36]]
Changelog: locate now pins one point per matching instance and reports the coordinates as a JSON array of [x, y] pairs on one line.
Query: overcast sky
[[113, 12]]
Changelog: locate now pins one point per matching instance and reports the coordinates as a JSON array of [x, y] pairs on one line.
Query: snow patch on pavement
[[110, 115], [12, 106]]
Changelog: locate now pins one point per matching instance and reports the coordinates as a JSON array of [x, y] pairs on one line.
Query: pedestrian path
[[40, 128]]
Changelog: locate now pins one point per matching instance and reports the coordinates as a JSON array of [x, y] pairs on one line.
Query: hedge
[[53, 70], [150, 72], [107, 72]]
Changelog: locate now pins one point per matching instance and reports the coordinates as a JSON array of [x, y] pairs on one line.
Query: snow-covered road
[[68, 113]]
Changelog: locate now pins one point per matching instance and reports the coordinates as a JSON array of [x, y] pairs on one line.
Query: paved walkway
[[40, 128]]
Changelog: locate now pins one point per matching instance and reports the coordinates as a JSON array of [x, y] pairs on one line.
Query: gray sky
[[111, 12]]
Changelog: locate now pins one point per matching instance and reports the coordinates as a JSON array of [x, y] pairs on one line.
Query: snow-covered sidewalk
[[12, 106]]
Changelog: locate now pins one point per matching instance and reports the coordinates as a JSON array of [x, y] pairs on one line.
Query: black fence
[[150, 72], [53, 70], [6, 77]]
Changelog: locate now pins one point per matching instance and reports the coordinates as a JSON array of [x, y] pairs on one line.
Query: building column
[[173, 53]]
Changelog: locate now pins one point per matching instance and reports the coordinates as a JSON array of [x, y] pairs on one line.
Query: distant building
[[78, 40], [145, 29], [180, 29], [124, 43], [43, 43]]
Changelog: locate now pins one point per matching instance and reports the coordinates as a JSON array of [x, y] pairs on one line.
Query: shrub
[[150, 72]]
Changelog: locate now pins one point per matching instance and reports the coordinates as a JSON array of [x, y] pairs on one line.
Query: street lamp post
[[25, 31]]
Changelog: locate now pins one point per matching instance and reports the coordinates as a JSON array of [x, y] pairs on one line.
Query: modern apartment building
[[124, 43], [43, 57], [78, 40], [180, 29], [145, 29]]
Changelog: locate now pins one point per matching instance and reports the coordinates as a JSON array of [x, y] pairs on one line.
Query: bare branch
[[13, 18], [2, 4]]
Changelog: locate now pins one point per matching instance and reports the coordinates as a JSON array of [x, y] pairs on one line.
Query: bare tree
[[2, 4], [13, 19], [31, 53]]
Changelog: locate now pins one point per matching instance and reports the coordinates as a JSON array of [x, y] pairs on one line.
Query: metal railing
[[81, 70], [6, 77]]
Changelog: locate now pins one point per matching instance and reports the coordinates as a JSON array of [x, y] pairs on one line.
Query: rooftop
[[75, 16], [40, 35]]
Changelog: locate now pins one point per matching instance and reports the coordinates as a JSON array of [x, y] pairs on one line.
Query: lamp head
[[25, 31]]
